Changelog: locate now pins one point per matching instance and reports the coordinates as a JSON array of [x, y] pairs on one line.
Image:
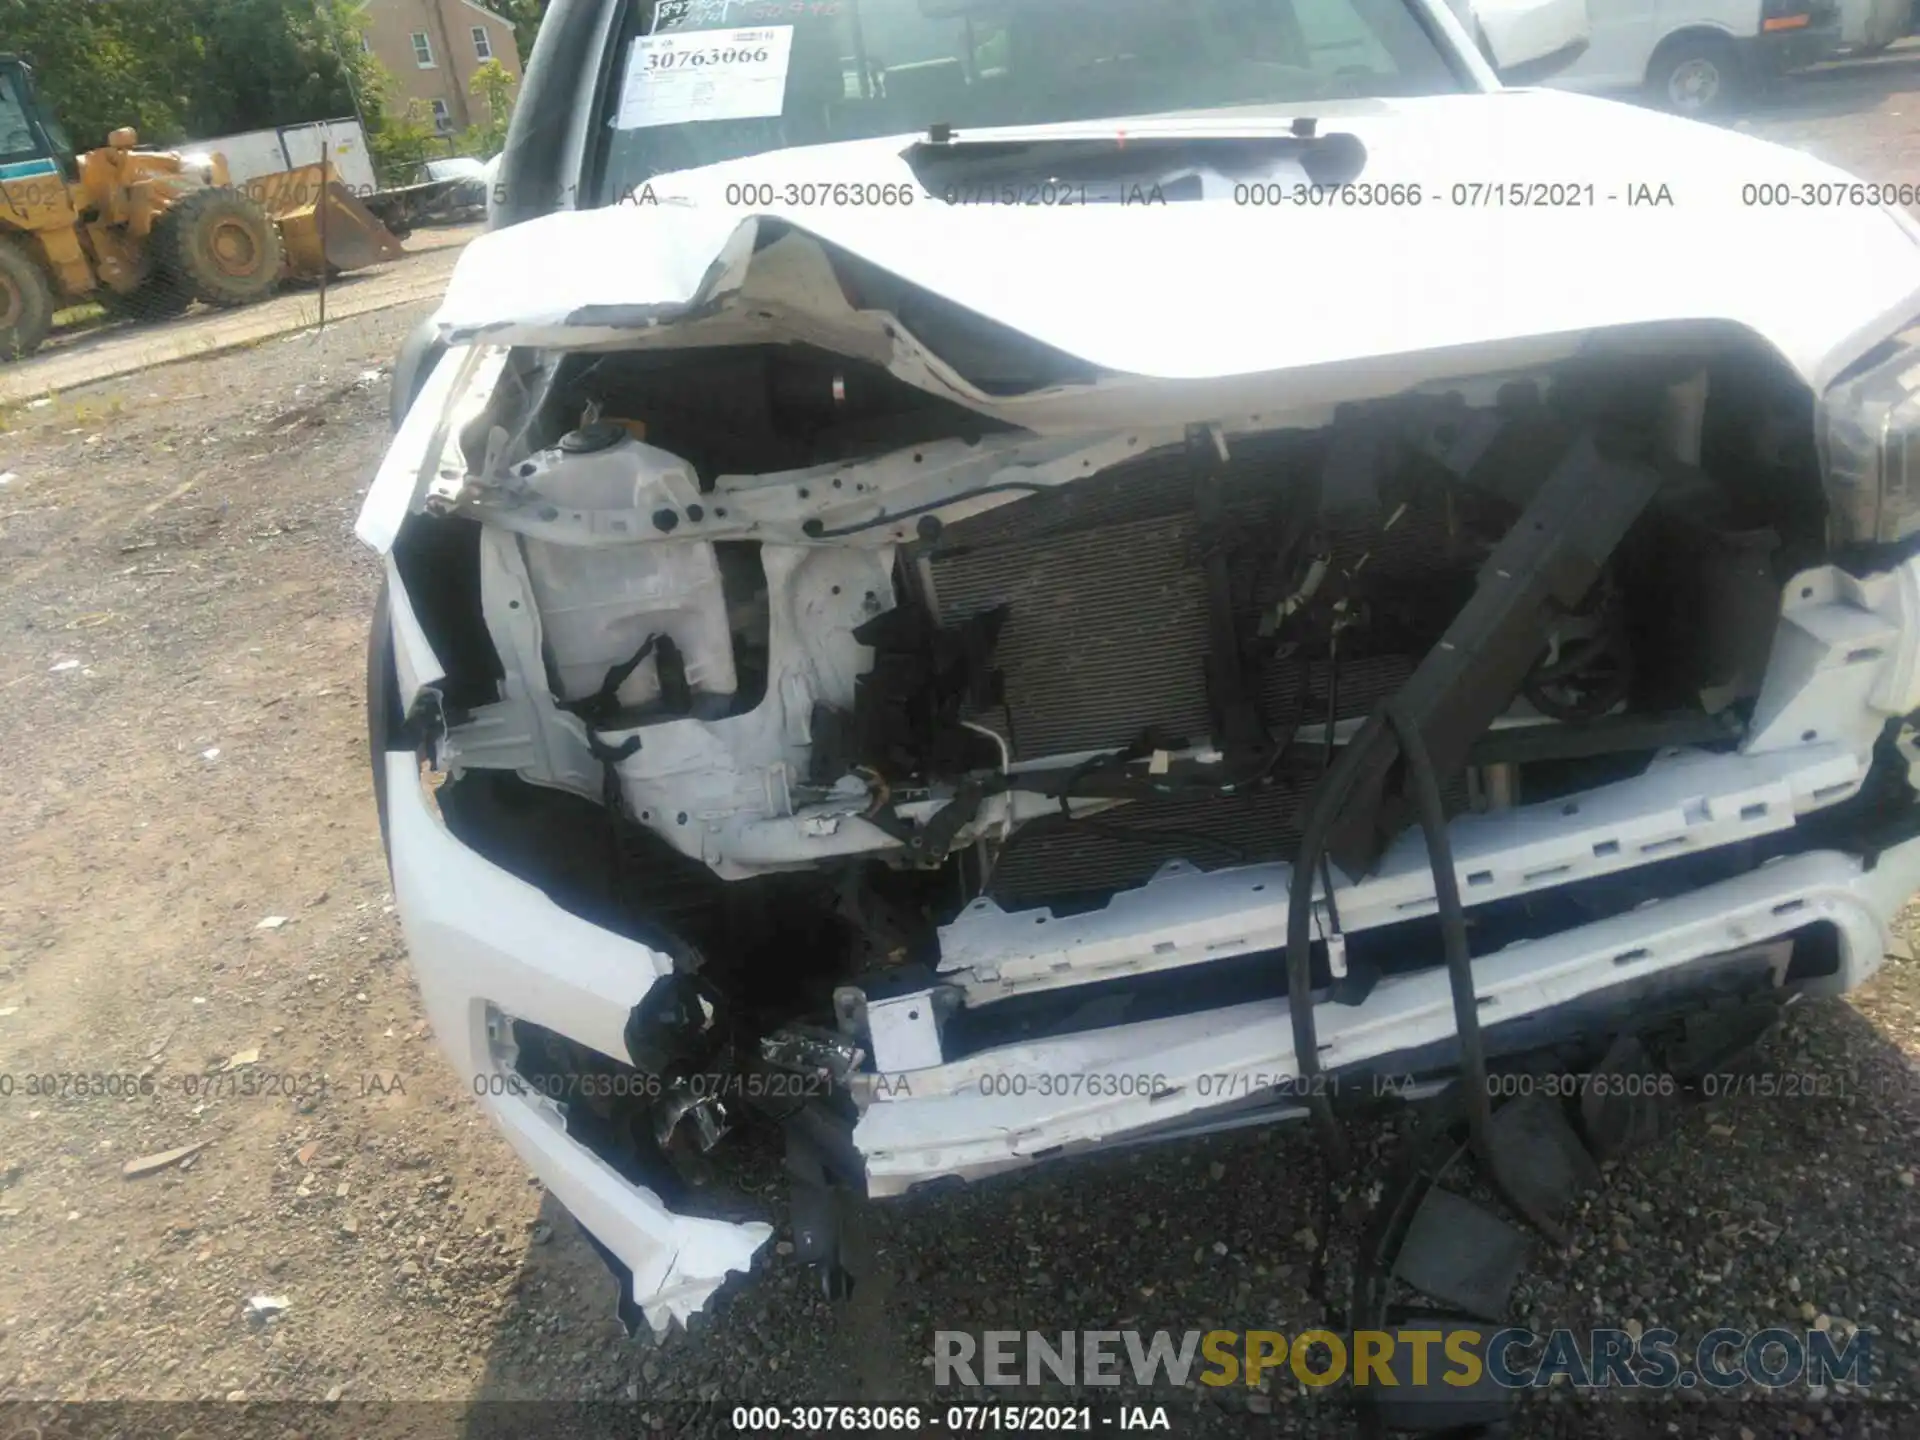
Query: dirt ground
[[93, 352], [194, 907]]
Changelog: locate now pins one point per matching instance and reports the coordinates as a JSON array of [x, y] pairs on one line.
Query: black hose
[[1425, 785], [1388, 725], [1326, 764], [1330, 795]]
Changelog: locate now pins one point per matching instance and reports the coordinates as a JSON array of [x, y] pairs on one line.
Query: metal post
[[326, 142], [346, 69]]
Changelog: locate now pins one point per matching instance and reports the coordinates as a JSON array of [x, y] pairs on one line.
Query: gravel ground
[[184, 536]]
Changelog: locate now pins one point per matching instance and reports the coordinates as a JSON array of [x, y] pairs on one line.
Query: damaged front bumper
[[486, 945], [734, 662], [484, 941], [1007, 1108]]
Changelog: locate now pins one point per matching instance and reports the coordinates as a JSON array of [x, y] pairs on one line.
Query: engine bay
[[906, 733]]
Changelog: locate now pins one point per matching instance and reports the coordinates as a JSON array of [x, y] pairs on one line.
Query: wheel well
[[1693, 34]]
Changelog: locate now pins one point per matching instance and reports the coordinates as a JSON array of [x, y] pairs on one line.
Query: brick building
[[432, 47]]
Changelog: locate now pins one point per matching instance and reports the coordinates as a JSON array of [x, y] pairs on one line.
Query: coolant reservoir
[[602, 467], [598, 604]]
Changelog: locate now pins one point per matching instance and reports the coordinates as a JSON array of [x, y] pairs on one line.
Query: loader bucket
[[347, 237]]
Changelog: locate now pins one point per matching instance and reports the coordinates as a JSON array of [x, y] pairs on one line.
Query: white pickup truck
[[1028, 576]]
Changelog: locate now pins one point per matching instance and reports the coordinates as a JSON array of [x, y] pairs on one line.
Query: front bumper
[[1845, 661], [1100, 1086], [480, 937], [1774, 53]]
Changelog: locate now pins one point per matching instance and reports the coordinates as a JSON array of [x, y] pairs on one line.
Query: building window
[[482, 46], [442, 118], [422, 50]]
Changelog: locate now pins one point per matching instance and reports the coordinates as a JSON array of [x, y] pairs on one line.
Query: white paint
[[424, 451], [252, 154], [1241, 316], [1167, 293], [717, 790], [1520, 31], [1626, 34], [415, 665], [345, 147], [1874, 22], [947, 1122], [950, 478], [477, 935], [904, 1031]]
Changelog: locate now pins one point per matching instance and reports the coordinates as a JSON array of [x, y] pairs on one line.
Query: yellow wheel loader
[[146, 233]]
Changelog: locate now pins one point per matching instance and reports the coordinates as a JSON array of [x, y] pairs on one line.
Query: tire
[[1696, 76], [26, 302], [219, 246]]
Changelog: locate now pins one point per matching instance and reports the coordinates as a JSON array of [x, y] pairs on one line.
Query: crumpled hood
[[1206, 289]]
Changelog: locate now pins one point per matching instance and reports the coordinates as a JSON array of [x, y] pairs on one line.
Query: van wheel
[[1695, 76]]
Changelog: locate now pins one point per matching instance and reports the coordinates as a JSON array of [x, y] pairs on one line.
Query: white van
[[1869, 26], [1700, 57]]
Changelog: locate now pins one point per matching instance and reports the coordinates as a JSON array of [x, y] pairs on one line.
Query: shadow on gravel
[[1837, 90], [86, 332], [1790, 1203], [1834, 90]]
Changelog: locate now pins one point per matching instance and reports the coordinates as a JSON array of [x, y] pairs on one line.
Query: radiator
[[1107, 636]]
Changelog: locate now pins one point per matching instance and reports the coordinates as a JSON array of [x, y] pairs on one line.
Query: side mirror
[[1527, 40]]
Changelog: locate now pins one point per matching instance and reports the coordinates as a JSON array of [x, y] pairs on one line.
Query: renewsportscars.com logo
[[1458, 1356]]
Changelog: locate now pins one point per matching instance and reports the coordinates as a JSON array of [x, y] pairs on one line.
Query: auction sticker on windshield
[[705, 75]]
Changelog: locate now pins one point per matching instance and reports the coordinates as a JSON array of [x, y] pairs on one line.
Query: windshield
[[701, 81], [17, 140]]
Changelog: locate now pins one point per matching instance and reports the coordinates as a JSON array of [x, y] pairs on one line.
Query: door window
[[17, 139]]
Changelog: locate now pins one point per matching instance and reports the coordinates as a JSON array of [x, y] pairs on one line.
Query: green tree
[[526, 16], [493, 87], [184, 69], [267, 63], [400, 132], [115, 63]]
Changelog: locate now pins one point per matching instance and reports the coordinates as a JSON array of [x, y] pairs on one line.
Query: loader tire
[[26, 303], [219, 246]]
